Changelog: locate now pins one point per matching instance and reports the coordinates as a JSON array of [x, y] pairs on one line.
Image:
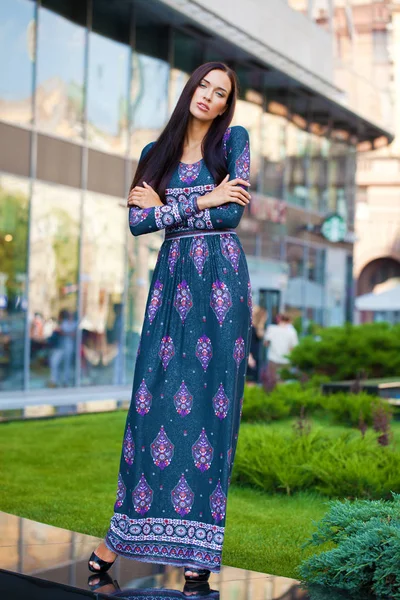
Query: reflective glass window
[[149, 100], [296, 165], [14, 200], [107, 94], [249, 115], [338, 178], [142, 257], [103, 252], [177, 82], [60, 75], [296, 287], [53, 285], [17, 51], [273, 151], [318, 173]]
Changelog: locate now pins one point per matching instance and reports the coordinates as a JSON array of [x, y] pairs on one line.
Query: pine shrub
[[342, 352], [291, 398], [364, 549], [348, 466]]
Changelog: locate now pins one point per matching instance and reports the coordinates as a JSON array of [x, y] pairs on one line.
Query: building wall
[[378, 174], [80, 95]]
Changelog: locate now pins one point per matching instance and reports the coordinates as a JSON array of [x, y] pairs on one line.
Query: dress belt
[[197, 232]]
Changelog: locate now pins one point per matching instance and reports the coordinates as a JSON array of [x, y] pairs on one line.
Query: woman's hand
[[143, 197], [226, 191]]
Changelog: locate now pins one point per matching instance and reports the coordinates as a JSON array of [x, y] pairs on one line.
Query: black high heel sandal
[[103, 564], [202, 575]]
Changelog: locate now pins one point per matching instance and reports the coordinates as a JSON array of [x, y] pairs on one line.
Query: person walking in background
[[280, 339], [182, 426], [260, 316], [62, 344]]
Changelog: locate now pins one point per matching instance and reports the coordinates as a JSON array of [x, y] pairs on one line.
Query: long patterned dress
[[182, 426]]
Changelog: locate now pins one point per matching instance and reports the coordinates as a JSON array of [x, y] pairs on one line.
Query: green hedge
[[365, 556], [346, 466], [342, 352], [288, 399]]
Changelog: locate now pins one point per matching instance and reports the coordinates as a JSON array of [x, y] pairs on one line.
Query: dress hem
[[155, 559]]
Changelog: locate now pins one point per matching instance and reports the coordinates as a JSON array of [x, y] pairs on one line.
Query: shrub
[[288, 399], [365, 556], [348, 408], [259, 406], [346, 466], [341, 352]]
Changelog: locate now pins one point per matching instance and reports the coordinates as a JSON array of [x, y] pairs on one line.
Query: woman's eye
[[202, 85]]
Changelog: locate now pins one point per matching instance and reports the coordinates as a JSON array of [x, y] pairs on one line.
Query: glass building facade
[[83, 87]]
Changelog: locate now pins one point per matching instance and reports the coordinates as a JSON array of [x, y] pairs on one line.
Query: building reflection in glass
[[107, 100], [249, 115], [149, 100], [297, 149], [60, 75], [14, 199], [273, 152], [53, 284], [142, 257], [60, 555], [17, 43], [103, 253]]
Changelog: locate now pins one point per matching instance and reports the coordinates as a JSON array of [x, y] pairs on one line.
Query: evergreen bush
[[288, 399], [348, 466], [364, 553], [341, 352]]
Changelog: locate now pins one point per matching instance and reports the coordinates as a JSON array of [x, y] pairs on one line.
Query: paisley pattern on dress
[[188, 173], [182, 497], [230, 249], [182, 426], [199, 253], [137, 215], [162, 449], [183, 400], [155, 301], [221, 403], [204, 351], [167, 351], [239, 351], [128, 447], [183, 300], [173, 255], [202, 452], [143, 399], [243, 164], [121, 493], [221, 300], [250, 302], [218, 503], [142, 496]]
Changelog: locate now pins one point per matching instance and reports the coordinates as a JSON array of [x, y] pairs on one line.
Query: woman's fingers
[[239, 194], [242, 192], [239, 181]]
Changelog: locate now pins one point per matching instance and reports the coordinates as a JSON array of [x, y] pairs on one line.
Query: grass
[[63, 472]]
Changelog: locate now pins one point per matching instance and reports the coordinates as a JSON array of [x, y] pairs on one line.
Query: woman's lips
[[203, 107]]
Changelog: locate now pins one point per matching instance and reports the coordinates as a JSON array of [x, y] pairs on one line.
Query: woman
[[182, 427], [256, 337]]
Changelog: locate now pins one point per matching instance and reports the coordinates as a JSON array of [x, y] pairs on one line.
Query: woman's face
[[210, 98]]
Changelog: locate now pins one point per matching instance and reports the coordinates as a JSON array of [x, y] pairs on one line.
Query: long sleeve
[[147, 220], [237, 147]]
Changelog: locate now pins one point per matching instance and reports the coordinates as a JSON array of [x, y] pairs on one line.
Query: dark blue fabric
[[182, 426]]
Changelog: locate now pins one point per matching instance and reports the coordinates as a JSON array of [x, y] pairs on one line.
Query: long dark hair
[[157, 167]]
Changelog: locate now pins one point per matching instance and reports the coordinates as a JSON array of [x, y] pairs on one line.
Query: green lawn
[[63, 472]]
